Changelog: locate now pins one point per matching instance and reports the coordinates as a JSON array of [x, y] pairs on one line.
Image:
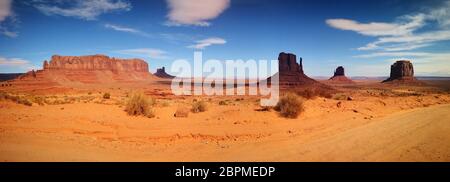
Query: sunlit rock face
[[401, 70], [95, 62]]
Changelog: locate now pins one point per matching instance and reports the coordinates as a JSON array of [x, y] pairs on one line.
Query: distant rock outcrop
[[291, 74], [95, 62], [401, 70], [161, 72], [74, 71], [339, 76]]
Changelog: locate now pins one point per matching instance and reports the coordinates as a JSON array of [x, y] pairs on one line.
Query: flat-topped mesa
[[401, 70], [339, 76], [161, 72], [95, 62]]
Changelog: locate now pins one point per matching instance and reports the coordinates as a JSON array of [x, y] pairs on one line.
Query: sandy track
[[421, 134]]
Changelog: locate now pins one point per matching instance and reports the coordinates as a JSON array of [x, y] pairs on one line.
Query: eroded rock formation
[[339, 76], [161, 72], [71, 71], [95, 62], [401, 70], [291, 74]]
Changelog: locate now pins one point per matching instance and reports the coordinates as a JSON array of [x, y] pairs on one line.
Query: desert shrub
[[307, 93], [310, 93], [106, 95], [181, 112], [222, 102], [199, 106], [38, 100], [139, 104], [24, 101], [340, 97], [290, 105], [3, 96], [165, 103]]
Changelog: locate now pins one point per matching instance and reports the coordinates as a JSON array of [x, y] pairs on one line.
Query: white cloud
[[15, 65], [7, 16], [5, 9], [201, 44], [194, 12], [83, 9], [126, 29], [145, 52], [402, 34]]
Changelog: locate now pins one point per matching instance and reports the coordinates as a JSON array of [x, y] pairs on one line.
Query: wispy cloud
[[82, 9], [13, 61], [126, 29], [401, 34], [145, 52], [201, 44], [194, 12], [7, 16], [392, 54]]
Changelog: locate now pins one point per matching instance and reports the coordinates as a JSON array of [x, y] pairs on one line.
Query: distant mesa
[[402, 71], [291, 74], [339, 76], [161, 73], [95, 62], [71, 71]]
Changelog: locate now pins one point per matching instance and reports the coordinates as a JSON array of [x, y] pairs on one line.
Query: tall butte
[[71, 71], [339, 76], [291, 74], [401, 71]]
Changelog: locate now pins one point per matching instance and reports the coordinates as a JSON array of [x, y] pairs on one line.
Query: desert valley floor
[[379, 123]]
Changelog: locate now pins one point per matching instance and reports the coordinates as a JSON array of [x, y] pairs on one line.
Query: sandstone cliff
[[401, 70], [95, 62], [77, 71]]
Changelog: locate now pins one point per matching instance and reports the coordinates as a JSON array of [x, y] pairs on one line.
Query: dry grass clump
[[16, 99], [198, 106], [223, 103], [290, 105], [106, 95], [38, 100], [182, 112], [310, 93], [340, 97], [139, 104]]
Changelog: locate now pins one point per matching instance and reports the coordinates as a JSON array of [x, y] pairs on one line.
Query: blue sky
[[363, 36]]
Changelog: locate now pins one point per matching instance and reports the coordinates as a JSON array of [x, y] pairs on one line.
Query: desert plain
[[362, 121]]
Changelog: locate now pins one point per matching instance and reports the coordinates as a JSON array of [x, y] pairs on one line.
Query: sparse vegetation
[[222, 103], [38, 100], [199, 106], [290, 105], [16, 99], [106, 95], [139, 104], [310, 93], [340, 97], [181, 112]]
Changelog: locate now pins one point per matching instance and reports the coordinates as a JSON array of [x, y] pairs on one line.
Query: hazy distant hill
[[8, 76]]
